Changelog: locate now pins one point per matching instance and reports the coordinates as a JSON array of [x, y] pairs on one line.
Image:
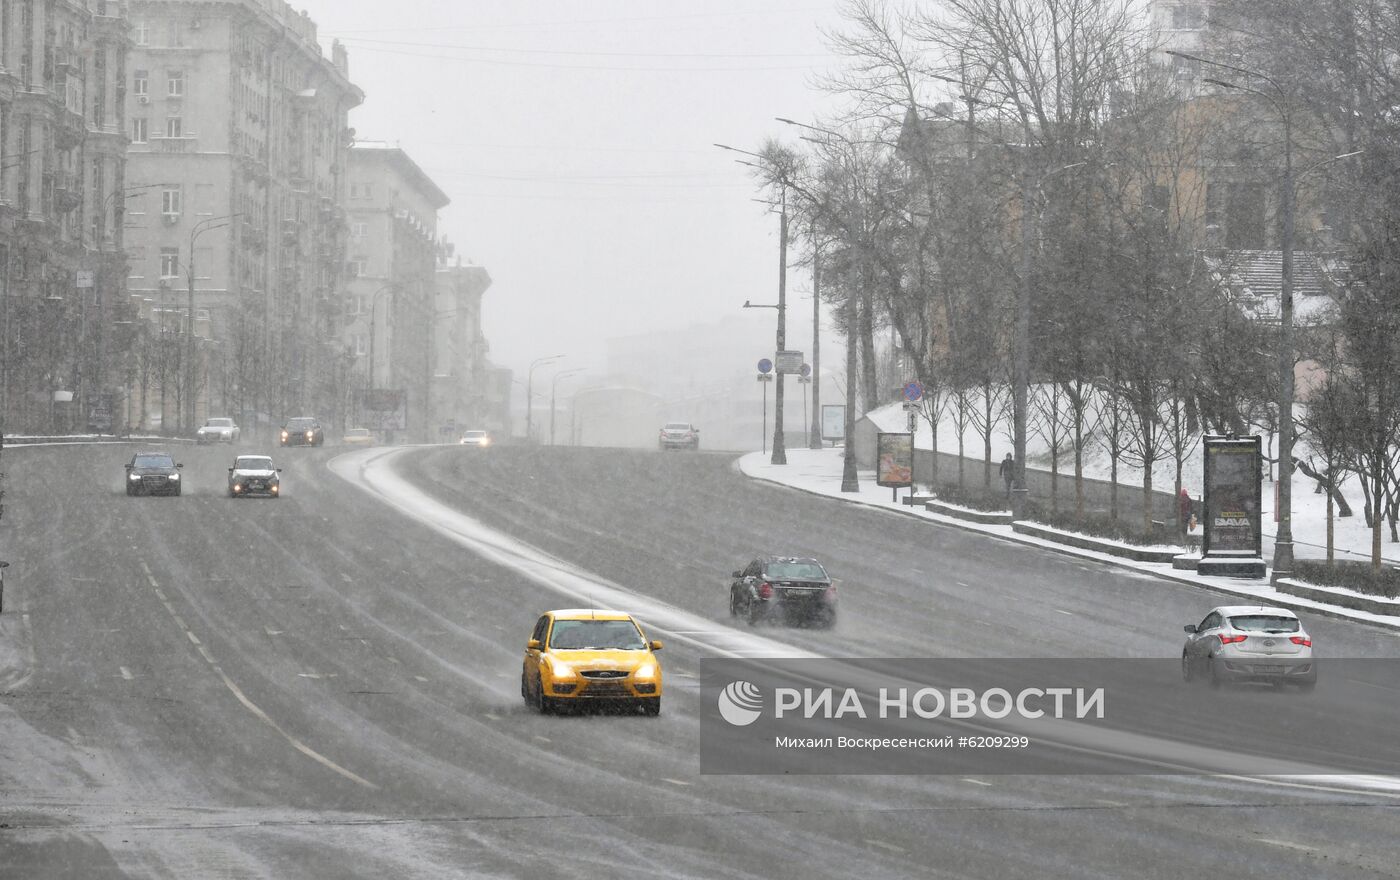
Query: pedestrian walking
[[1007, 471], [1183, 510]]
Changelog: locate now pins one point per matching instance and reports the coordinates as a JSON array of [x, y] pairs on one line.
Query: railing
[[182, 144]]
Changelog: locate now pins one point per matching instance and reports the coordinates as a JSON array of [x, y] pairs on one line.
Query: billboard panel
[[1232, 497], [384, 409], [895, 465]]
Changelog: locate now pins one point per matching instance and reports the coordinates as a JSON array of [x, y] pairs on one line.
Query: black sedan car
[[153, 473], [789, 588], [302, 431]]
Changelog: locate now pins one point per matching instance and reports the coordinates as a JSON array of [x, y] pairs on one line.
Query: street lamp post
[[553, 389], [779, 447], [530, 392], [191, 391], [1283, 540]]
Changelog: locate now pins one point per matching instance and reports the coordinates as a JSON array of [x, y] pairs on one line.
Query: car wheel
[[543, 705], [129, 493], [827, 620], [176, 493], [1215, 680], [733, 604], [1188, 669], [525, 689], [651, 707]]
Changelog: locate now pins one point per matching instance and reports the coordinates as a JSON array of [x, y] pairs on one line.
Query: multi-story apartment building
[[62, 190], [393, 252], [239, 126], [461, 386]]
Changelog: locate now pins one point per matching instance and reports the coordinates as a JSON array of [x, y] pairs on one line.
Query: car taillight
[[1301, 640], [765, 591], [1230, 640], [830, 593]]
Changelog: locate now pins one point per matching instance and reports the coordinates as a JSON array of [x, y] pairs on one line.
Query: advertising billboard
[[1232, 497], [384, 409], [895, 462], [833, 421]]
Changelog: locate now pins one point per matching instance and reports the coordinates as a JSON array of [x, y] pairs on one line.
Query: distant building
[[238, 128], [62, 185], [461, 384], [393, 252]]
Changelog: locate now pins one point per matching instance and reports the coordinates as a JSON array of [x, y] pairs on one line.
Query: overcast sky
[[574, 139]]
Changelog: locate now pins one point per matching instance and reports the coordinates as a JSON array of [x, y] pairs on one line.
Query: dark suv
[[153, 473], [794, 589], [302, 431]]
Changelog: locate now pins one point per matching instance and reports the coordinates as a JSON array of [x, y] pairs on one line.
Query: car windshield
[[357, 432], [583, 634], [301, 424], [253, 463], [677, 426], [219, 423], [1266, 623], [475, 435], [153, 461], [804, 570]]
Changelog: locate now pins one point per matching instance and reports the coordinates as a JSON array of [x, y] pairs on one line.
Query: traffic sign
[[789, 361], [82, 278], [765, 365], [913, 391], [806, 370]]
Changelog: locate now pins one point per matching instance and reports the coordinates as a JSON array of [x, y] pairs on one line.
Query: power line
[[357, 41], [534, 25], [504, 63]]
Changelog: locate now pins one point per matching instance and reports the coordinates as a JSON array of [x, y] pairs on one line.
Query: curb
[[1096, 556]]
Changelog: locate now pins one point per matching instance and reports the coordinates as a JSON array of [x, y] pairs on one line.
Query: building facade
[[461, 386], [62, 190], [393, 254], [238, 127]]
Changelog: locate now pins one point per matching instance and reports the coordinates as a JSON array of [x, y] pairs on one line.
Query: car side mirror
[[279, 470], [128, 466], [1190, 627], [179, 465], [654, 644], [532, 645], [737, 574], [230, 470]]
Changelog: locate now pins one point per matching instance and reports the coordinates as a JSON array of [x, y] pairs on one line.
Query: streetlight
[[850, 481], [530, 394], [779, 449], [199, 229], [553, 388], [1283, 541]]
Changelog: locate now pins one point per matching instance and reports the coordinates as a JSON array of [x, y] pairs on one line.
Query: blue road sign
[[913, 391], [806, 370], [765, 365]]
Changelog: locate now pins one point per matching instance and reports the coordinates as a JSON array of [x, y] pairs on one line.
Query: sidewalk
[[819, 472]]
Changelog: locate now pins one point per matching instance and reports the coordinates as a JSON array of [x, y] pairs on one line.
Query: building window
[[142, 32], [175, 83], [360, 349], [1188, 17], [140, 131], [170, 201], [359, 229], [169, 262], [172, 127], [359, 190], [357, 267], [140, 83]]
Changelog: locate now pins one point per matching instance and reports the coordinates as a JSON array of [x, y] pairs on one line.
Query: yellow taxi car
[[584, 655]]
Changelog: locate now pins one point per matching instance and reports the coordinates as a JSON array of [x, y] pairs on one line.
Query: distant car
[[584, 655], [358, 437], [794, 589], [479, 439], [153, 473], [302, 431], [217, 430], [254, 475], [1240, 643], [678, 435]]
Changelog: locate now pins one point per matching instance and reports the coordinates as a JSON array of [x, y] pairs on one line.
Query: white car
[[254, 475], [217, 431], [1249, 643], [479, 439], [678, 435]]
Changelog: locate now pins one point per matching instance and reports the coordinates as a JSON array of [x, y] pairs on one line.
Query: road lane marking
[[272, 632], [1287, 844], [674, 781], [250, 705], [345, 577], [885, 846], [976, 781], [126, 673], [1059, 611]]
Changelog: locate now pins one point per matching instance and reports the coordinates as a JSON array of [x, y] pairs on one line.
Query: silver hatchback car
[[1249, 643]]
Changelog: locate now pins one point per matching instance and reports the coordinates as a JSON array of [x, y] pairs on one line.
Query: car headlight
[[133, 477], [646, 670], [561, 670], [308, 435], [174, 476], [238, 487]]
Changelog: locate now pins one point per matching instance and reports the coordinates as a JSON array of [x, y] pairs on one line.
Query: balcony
[[183, 144]]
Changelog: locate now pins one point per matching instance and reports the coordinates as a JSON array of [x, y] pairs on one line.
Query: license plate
[[1268, 670]]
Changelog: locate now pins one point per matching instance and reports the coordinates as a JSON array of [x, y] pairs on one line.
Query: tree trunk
[[1325, 483], [987, 436]]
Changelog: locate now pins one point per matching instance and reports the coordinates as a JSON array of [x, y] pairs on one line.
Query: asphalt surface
[[322, 686]]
